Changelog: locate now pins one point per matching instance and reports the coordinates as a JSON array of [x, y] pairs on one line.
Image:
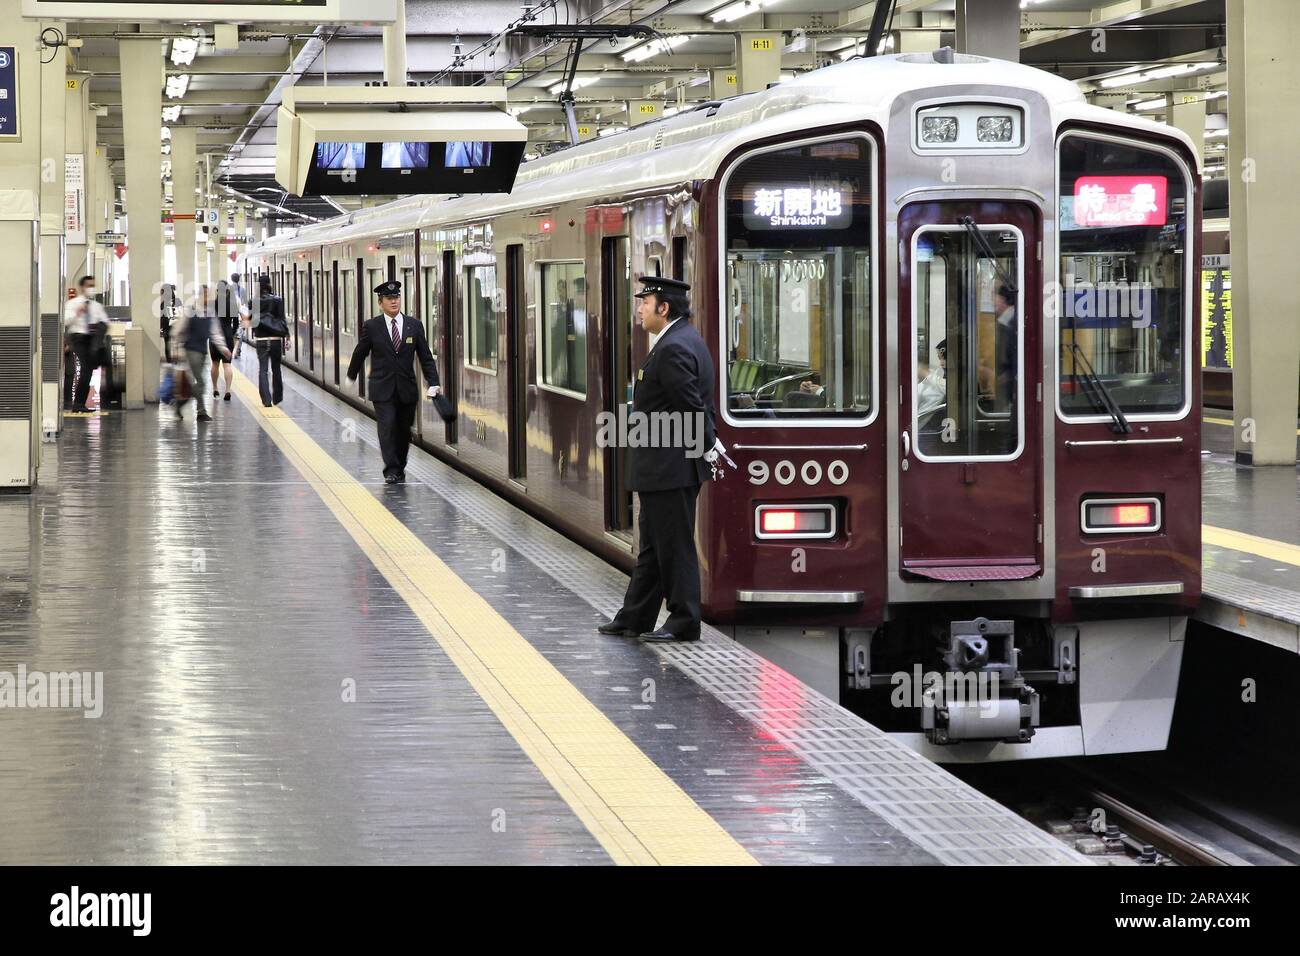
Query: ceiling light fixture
[[177, 84], [653, 48], [184, 49], [741, 8]]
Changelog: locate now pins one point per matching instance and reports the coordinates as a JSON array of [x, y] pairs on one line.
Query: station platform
[[303, 665], [1250, 542]]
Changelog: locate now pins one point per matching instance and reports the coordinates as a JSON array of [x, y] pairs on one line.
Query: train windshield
[[798, 282], [1122, 302]]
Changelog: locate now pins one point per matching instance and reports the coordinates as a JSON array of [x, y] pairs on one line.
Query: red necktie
[[397, 339]]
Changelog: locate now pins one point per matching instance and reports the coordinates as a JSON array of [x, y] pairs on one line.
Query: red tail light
[[1121, 515], [795, 521]]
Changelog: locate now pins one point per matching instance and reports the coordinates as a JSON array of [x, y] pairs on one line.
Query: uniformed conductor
[[393, 341], [677, 376]]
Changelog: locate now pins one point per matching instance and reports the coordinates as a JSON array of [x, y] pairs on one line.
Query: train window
[[481, 317], [564, 326], [966, 335], [430, 290], [1123, 295], [798, 290], [348, 306]]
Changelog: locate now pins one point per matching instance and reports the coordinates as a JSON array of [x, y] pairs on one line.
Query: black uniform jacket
[[677, 376], [392, 374]]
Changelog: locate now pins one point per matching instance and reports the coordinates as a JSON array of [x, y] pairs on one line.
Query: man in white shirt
[[84, 322]]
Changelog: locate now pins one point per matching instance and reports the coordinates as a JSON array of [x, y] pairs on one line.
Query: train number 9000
[[810, 472]]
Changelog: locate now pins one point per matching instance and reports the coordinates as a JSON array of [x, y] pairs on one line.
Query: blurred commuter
[[228, 311], [168, 303], [192, 331], [84, 322], [271, 337]]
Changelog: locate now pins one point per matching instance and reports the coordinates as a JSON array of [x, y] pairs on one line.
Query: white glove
[[434, 390]]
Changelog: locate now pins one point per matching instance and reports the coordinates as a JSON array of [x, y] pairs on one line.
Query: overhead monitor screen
[[340, 155], [468, 155], [405, 156]]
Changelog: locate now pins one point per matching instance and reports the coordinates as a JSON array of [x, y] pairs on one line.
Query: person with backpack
[[271, 338]]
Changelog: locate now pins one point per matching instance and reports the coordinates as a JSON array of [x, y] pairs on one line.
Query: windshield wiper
[[1100, 393], [987, 252]]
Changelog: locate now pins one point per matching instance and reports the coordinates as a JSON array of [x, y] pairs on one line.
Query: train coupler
[[982, 695]]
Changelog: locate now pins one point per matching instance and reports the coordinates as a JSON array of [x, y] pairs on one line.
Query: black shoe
[[401, 477], [266, 404], [227, 398], [205, 417], [390, 479], [179, 413], [216, 393], [667, 637], [614, 629]]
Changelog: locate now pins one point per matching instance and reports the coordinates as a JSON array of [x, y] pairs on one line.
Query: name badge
[[409, 341], [640, 374]]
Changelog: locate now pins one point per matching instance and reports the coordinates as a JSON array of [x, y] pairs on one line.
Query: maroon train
[[953, 308]]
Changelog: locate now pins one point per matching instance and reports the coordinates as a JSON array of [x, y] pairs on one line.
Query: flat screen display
[[468, 155], [789, 206], [340, 155], [405, 156]]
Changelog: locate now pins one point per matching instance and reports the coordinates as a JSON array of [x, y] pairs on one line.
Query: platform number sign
[[761, 43], [648, 108], [8, 92]]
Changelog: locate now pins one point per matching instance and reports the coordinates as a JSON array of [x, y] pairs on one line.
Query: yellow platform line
[[634, 809], [1251, 544]]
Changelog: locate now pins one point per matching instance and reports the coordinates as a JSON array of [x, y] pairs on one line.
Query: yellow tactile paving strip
[[634, 809], [1251, 544]]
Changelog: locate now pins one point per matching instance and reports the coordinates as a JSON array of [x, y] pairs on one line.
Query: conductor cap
[[390, 288]]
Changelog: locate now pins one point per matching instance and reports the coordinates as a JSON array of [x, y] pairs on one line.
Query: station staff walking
[[84, 321], [393, 341], [676, 377]]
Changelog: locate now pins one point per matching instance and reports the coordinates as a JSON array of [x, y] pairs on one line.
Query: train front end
[[959, 380]]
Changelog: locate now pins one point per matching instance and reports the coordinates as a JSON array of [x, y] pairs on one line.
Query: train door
[[517, 362], [298, 331], [451, 365], [322, 323], [310, 285], [335, 315], [616, 284], [969, 326]]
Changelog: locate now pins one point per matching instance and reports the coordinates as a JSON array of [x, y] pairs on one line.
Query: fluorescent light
[[177, 84], [1131, 75], [653, 47], [578, 83], [171, 114], [741, 8], [611, 130], [1216, 134], [1156, 104], [184, 50], [1167, 71]]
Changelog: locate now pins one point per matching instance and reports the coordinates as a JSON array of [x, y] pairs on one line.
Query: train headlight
[[938, 129], [994, 129], [1120, 515], [807, 521]]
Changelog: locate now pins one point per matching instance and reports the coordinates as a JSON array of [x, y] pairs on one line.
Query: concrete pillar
[[1265, 206], [1187, 112], [395, 48], [989, 28], [758, 58], [142, 82], [54, 71], [79, 148], [918, 41], [183, 204], [20, 190], [724, 82], [204, 263]]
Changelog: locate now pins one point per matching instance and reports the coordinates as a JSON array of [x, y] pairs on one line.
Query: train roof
[[692, 145]]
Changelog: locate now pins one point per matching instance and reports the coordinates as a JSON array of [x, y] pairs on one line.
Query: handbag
[[167, 388]]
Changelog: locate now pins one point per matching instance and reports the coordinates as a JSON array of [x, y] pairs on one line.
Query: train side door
[[517, 363], [616, 284], [969, 326], [451, 369]]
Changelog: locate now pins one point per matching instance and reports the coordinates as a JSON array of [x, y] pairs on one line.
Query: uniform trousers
[[667, 567], [394, 419]]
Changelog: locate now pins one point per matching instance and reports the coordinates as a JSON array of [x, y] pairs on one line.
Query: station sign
[[784, 207], [208, 11], [110, 238]]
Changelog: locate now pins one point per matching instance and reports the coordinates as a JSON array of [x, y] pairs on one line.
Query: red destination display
[[1120, 201]]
